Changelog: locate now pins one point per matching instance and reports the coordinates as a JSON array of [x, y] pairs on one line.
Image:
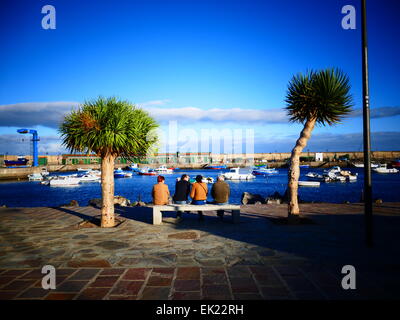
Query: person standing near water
[[182, 191], [199, 193], [160, 192]]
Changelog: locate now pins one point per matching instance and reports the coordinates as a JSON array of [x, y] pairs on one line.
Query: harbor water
[[34, 194]]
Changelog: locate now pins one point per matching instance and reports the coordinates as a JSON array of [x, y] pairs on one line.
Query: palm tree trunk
[[294, 170], [107, 191]]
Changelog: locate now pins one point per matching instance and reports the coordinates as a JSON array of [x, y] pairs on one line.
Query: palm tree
[[314, 98], [110, 128]]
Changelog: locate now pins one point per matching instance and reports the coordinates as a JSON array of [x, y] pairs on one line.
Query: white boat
[[65, 181], [163, 170], [384, 169], [335, 169], [234, 174], [309, 183], [147, 172], [44, 172], [348, 175], [82, 169], [333, 176], [88, 177], [361, 165], [313, 176], [261, 171], [35, 177]]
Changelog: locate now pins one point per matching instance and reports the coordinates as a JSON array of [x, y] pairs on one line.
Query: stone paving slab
[[192, 259]]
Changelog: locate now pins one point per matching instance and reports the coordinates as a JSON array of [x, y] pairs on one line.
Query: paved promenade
[[258, 258]]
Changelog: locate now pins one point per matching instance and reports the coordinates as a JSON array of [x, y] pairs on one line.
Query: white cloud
[[154, 103], [220, 115], [381, 112], [30, 114], [50, 114]]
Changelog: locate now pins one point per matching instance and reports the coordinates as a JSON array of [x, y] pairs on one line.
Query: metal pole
[[366, 130]]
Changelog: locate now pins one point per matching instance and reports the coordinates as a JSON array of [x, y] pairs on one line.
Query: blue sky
[[191, 60]]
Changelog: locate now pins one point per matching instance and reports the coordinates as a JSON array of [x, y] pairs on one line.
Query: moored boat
[[147, 172], [164, 170], [215, 167], [384, 169], [133, 167], [263, 170], [35, 177], [234, 174], [119, 173], [65, 181], [309, 183], [361, 165], [16, 163], [313, 176], [396, 163]]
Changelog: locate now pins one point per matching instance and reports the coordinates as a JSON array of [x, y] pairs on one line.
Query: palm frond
[[323, 95]]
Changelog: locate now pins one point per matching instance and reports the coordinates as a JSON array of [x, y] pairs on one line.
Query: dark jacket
[[182, 190], [220, 192]]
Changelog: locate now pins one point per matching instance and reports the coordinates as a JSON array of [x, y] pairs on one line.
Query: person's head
[[185, 177], [160, 179], [220, 178], [199, 178]]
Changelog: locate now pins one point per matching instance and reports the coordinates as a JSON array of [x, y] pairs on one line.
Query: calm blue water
[[33, 194]]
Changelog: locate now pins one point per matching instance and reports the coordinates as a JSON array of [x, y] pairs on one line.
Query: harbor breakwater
[[23, 172]]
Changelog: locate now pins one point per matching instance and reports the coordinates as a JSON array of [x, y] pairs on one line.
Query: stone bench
[[157, 210]]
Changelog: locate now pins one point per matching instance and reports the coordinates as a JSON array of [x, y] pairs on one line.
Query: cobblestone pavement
[[258, 258]]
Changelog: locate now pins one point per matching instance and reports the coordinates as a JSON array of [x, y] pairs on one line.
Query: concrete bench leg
[[235, 216], [157, 216]]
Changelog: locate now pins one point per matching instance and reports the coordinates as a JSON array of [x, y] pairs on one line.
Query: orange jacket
[[160, 194], [199, 191]]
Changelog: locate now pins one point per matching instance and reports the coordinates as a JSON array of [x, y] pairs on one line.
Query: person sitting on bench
[[182, 191], [199, 193], [160, 192], [220, 192]]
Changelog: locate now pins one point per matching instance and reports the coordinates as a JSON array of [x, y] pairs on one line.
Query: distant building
[[319, 156]]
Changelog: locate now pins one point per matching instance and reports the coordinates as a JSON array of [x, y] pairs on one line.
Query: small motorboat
[[88, 177], [133, 167], [263, 170], [384, 169], [65, 181], [361, 165], [35, 177], [348, 175], [335, 169], [119, 173], [20, 162], [234, 174], [215, 167], [396, 163], [147, 172], [309, 183], [163, 170], [313, 176]]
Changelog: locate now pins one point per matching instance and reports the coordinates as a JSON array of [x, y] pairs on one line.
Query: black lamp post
[[366, 129]]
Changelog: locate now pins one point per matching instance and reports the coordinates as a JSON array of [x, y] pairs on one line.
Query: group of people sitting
[[220, 192]]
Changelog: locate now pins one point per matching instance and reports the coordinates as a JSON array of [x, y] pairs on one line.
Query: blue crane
[[35, 140]]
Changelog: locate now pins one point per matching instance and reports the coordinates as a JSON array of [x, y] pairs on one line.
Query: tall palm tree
[[110, 128], [314, 98]]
